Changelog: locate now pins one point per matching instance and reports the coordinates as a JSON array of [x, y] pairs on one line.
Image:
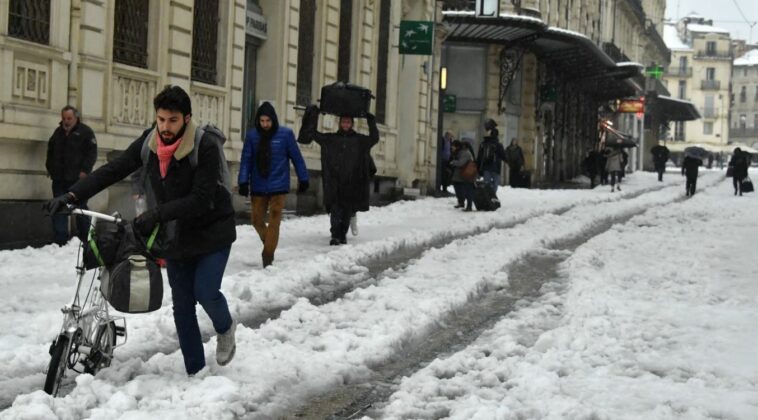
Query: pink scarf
[[165, 152]]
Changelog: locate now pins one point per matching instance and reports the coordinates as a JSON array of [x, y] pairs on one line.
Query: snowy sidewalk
[[311, 348], [658, 322]]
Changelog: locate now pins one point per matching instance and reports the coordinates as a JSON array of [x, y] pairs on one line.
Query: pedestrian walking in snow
[[613, 165], [464, 186], [660, 157], [690, 168], [447, 142], [345, 166], [71, 154], [193, 197], [514, 157], [265, 175], [738, 165], [489, 160], [590, 164]]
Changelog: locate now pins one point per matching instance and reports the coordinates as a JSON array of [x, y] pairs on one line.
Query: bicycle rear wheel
[[58, 363], [102, 348]]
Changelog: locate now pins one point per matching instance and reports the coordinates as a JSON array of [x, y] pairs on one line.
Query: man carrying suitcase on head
[[345, 169]]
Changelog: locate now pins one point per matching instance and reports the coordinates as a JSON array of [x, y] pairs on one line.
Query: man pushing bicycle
[[181, 164]]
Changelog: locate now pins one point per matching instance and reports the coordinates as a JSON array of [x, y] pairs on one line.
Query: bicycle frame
[[86, 322]]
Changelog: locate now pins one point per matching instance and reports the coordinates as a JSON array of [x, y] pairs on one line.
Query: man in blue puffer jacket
[[265, 175]]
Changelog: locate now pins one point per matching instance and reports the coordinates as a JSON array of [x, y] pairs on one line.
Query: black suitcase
[[746, 185], [484, 198], [344, 99]]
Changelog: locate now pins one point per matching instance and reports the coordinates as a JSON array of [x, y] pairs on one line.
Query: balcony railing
[[743, 132], [719, 55], [679, 71], [710, 112], [710, 85]]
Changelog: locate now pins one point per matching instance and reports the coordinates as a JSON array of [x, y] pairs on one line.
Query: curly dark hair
[[173, 98]]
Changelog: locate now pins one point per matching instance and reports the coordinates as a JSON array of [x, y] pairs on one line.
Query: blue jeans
[[491, 178], [60, 221], [198, 280]]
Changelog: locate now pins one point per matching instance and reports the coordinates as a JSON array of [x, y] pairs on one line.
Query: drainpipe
[[73, 67]]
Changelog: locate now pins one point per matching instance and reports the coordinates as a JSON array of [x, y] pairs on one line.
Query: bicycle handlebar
[[96, 215]]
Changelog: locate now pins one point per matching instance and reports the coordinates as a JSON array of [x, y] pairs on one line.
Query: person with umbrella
[[613, 165], [693, 158], [660, 157]]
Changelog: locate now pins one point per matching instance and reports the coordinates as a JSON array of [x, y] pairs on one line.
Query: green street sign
[[654, 72], [416, 37], [449, 103]]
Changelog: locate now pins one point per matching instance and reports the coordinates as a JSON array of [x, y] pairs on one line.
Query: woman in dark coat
[[345, 170], [739, 164]]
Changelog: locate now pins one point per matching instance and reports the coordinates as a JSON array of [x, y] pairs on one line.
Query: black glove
[[244, 190], [370, 117], [302, 186], [59, 204], [145, 222]]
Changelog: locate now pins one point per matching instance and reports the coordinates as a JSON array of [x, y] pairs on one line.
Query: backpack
[[488, 153]]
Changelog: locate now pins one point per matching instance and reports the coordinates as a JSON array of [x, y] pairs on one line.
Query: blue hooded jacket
[[283, 150]]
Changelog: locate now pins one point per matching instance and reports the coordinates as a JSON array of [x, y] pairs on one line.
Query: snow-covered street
[[650, 313]]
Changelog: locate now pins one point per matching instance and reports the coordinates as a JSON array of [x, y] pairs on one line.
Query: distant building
[[700, 72], [744, 115]]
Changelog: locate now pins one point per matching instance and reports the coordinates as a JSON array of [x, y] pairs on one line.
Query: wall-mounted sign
[[487, 8], [449, 103], [632, 106], [416, 37], [256, 25]]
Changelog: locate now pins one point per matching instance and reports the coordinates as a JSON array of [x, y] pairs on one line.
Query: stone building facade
[[744, 113]]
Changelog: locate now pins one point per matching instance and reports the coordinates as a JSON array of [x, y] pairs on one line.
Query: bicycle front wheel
[[58, 363]]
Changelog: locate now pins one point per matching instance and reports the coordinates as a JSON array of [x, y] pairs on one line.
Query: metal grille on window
[[346, 20], [382, 61], [305, 51], [130, 32], [205, 41], [30, 20]]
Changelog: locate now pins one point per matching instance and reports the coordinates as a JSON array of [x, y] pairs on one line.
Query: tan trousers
[[269, 234]]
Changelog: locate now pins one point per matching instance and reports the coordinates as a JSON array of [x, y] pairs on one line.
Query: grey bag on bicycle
[[133, 284]]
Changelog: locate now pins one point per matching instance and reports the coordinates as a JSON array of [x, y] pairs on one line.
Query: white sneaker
[[226, 345], [354, 225]]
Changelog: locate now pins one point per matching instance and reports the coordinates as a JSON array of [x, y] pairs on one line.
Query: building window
[[743, 94], [682, 89], [708, 128], [755, 99], [130, 32], [710, 48], [305, 39], [679, 131], [755, 121], [382, 61], [345, 37], [710, 73], [205, 41], [30, 20]]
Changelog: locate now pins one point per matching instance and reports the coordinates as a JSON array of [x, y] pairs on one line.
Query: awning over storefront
[[671, 109], [463, 26], [572, 54]]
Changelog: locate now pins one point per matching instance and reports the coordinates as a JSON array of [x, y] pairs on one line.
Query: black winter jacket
[[67, 156], [193, 197], [498, 156], [346, 171], [690, 166], [740, 162]]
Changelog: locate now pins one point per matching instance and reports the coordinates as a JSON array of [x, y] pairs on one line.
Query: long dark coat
[[345, 169]]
